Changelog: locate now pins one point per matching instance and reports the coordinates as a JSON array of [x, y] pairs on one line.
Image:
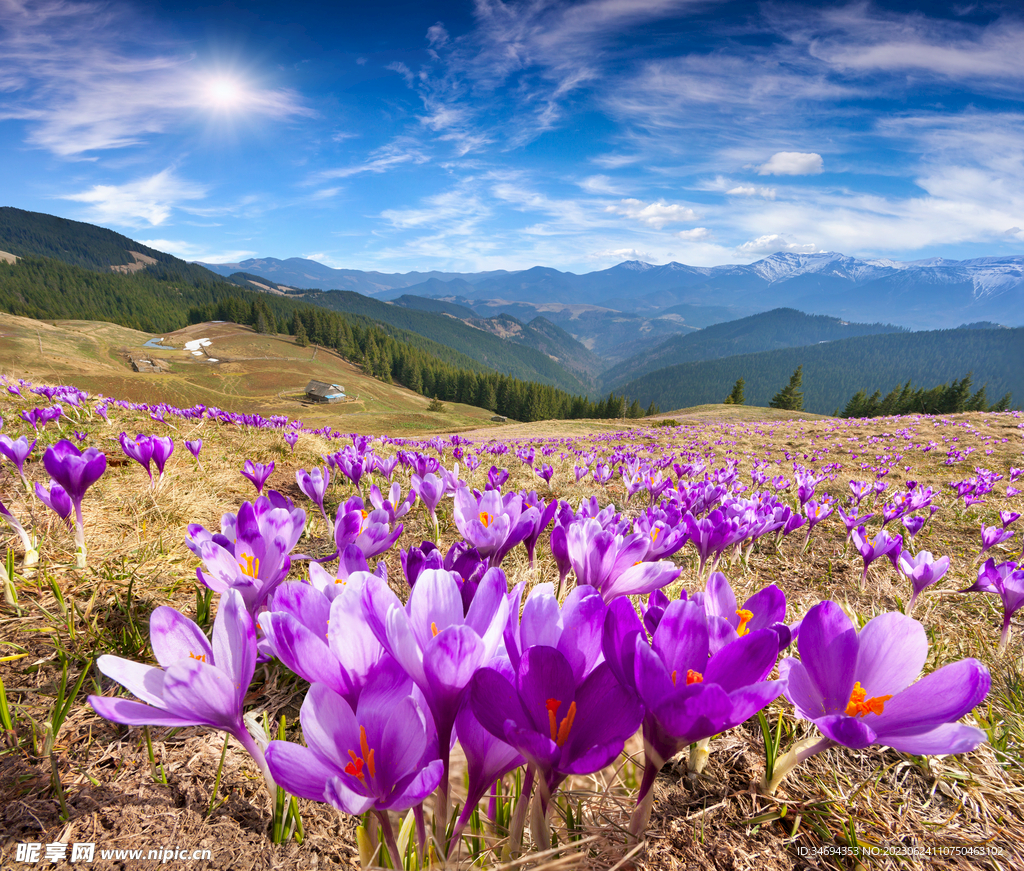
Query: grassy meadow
[[67, 775]]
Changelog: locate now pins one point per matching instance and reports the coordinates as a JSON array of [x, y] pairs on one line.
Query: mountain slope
[[780, 328], [834, 371]]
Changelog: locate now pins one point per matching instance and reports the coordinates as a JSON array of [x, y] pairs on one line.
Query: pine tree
[[790, 398], [736, 397], [301, 337]]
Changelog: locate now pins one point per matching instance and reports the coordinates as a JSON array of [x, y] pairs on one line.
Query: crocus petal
[[301, 650], [417, 789], [943, 696], [851, 732], [173, 637], [338, 794], [495, 701], [234, 642], [892, 649], [132, 713], [451, 659], [298, 770], [828, 651], [744, 661], [144, 681], [947, 738], [193, 687], [435, 602]]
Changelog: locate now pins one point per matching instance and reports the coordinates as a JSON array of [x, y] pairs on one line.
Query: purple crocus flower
[[688, 696], [859, 690], [194, 446], [545, 513], [488, 758], [163, 447], [560, 552], [75, 471], [17, 451], [199, 683], [318, 631], [430, 489], [291, 437], [496, 478], [56, 500], [614, 563], [923, 570], [913, 525], [1006, 579], [314, 485], [251, 553], [439, 645], [492, 524], [370, 531], [379, 755], [258, 474], [993, 535], [545, 472], [561, 726], [140, 450], [727, 622], [393, 505], [871, 549], [1006, 517]]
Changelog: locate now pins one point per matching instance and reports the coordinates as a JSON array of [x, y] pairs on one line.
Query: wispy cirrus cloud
[[147, 201], [89, 77]]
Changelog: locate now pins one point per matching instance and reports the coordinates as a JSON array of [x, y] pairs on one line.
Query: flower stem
[[519, 814], [389, 838], [797, 754]]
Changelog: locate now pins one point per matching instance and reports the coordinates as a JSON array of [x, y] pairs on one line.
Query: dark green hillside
[[779, 328], [32, 234], [834, 371], [438, 306], [482, 346]]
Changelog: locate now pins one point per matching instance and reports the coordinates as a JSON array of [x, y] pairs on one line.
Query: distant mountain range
[[673, 334], [923, 294]]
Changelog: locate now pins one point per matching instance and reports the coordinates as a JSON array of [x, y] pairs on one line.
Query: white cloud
[[773, 244], [601, 184], [387, 157], [697, 234], [147, 200], [620, 254], [792, 163], [656, 214], [751, 191], [89, 77], [191, 251]]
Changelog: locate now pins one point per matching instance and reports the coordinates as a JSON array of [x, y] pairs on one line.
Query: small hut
[[318, 391]]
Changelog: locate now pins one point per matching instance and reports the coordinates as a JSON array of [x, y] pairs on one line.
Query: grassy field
[[109, 792], [254, 374]]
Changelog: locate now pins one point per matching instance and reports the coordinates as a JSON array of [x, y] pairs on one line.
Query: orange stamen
[[745, 617], [433, 629], [654, 533], [566, 725], [674, 673], [251, 566], [486, 519], [860, 705], [693, 677], [200, 658], [355, 767], [552, 706], [560, 731]]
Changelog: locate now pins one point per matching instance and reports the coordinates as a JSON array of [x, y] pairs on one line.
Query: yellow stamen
[[745, 617], [433, 629], [654, 533], [486, 519], [693, 677], [251, 566], [200, 658], [861, 706]]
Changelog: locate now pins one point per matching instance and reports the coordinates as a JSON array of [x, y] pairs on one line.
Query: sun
[[225, 93]]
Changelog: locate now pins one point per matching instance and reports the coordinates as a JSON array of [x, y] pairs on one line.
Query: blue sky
[[501, 135]]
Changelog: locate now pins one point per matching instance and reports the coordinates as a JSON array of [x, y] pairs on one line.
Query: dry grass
[[137, 560]]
